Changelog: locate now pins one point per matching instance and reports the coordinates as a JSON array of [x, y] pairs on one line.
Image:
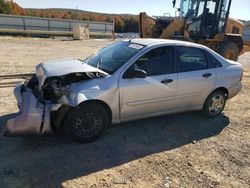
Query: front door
[[155, 94]]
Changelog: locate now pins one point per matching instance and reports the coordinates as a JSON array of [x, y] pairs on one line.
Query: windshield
[[194, 9], [188, 8], [112, 57]]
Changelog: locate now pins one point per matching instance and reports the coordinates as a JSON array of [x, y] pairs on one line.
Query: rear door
[[195, 78]]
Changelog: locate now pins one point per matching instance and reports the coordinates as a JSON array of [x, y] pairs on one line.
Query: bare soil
[[246, 48], [181, 150]]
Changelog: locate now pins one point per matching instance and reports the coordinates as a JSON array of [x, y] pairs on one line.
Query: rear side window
[[190, 59], [158, 61], [212, 61]]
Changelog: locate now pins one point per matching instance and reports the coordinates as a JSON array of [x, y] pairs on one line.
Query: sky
[[239, 8]]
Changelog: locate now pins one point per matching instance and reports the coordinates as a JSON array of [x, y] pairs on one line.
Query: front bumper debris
[[33, 117]]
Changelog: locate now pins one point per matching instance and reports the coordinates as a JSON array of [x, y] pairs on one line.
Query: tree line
[[123, 23]]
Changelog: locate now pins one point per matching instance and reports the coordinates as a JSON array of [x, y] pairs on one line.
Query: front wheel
[[214, 104], [86, 123]]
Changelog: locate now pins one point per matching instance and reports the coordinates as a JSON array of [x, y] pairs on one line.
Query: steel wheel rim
[[88, 125], [216, 105]]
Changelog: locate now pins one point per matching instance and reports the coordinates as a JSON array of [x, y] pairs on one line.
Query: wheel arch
[[206, 106], [59, 116], [227, 37], [102, 104], [235, 38], [223, 89]]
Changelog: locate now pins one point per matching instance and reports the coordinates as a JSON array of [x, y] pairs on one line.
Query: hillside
[[246, 23], [123, 22], [11, 8]]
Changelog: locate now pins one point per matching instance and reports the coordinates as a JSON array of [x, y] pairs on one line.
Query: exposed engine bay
[[53, 78], [56, 86]]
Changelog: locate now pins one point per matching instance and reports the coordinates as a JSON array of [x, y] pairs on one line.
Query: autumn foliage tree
[[16, 9], [11, 8], [4, 7], [119, 24], [123, 23]]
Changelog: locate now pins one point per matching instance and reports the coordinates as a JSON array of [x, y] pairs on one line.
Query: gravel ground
[[181, 150]]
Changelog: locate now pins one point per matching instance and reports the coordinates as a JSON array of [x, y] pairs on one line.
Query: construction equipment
[[205, 22]]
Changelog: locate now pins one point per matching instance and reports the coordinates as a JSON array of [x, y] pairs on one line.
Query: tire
[[86, 123], [229, 50], [214, 104]]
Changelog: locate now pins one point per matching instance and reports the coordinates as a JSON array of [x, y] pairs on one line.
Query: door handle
[[167, 81], [206, 75]]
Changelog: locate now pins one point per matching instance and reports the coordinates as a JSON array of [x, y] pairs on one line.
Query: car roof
[[153, 42]]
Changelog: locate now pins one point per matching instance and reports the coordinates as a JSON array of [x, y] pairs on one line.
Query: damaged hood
[[62, 67]]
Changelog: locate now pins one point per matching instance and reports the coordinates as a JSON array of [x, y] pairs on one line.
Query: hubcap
[[88, 125], [216, 104]]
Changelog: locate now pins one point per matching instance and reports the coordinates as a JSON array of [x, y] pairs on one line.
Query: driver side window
[[158, 61]]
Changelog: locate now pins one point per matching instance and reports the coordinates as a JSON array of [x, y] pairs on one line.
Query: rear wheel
[[214, 104], [229, 50], [86, 123]]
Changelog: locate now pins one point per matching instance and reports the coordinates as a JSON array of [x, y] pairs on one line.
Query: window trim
[[147, 51], [210, 64], [177, 63]]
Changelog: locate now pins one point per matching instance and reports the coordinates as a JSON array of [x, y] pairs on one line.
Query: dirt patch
[[246, 48], [182, 150]]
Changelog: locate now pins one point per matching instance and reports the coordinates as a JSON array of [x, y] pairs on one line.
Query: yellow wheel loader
[[205, 22]]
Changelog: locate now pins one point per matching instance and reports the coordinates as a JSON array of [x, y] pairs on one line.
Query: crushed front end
[[42, 96], [33, 117]]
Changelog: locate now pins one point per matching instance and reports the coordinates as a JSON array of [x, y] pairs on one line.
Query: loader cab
[[205, 18]]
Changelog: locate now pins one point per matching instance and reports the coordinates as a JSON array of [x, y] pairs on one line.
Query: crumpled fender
[[91, 90], [33, 117], [76, 98]]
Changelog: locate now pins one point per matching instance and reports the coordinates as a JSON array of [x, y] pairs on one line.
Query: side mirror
[[136, 73]]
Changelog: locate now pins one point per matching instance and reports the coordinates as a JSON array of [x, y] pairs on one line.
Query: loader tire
[[229, 50]]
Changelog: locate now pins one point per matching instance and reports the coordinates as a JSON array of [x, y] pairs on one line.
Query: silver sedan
[[125, 81]]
